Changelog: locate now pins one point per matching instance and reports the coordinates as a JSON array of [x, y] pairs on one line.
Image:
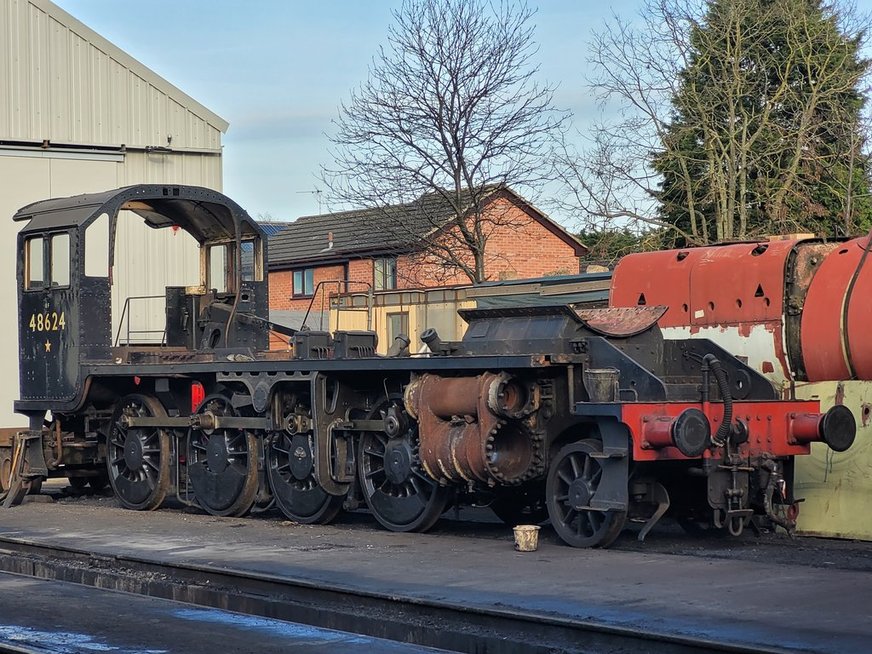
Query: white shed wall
[[77, 116]]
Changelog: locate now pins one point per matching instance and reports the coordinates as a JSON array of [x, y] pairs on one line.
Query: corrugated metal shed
[[79, 115], [67, 84]]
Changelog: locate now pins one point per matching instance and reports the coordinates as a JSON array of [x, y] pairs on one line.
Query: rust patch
[[621, 321], [767, 366], [7, 435], [840, 394]]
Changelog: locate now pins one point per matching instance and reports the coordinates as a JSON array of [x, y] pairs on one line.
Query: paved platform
[[742, 592]]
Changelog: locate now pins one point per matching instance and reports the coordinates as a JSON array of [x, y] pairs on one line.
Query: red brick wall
[[528, 249], [281, 287], [518, 247], [360, 271]]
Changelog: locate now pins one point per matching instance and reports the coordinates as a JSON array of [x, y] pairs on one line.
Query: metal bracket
[[613, 492], [28, 463]]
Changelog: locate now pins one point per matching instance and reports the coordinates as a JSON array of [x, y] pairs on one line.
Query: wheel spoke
[[375, 471], [573, 461]]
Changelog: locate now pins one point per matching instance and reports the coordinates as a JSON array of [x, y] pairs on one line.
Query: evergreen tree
[[766, 134]]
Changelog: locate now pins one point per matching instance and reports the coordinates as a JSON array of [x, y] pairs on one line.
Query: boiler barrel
[[837, 315]]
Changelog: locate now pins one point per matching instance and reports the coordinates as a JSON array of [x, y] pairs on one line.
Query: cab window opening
[[97, 247], [34, 263], [218, 268], [60, 260], [252, 260]]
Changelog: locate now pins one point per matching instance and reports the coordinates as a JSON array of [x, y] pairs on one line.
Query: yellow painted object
[[409, 311], [837, 486], [526, 538]]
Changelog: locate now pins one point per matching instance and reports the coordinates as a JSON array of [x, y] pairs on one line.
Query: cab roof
[[205, 214]]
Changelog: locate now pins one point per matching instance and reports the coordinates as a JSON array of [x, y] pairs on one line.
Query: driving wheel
[[292, 478], [222, 461], [396, 489], [138, 458]]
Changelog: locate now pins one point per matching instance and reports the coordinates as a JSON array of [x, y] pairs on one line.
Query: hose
[[723, 432]]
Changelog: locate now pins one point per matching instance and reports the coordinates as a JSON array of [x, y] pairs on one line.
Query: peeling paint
[[758, 344]]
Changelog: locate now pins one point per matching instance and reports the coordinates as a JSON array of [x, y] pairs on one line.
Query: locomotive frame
[[586, 418]]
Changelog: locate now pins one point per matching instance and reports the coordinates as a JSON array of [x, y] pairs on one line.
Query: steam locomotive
[[584, 417]]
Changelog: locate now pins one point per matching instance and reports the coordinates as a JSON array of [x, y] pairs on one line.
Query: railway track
[[423, 622]]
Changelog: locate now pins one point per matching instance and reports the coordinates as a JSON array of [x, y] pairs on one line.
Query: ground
[[480, 525]]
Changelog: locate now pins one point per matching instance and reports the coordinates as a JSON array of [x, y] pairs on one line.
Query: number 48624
[[47, 322]]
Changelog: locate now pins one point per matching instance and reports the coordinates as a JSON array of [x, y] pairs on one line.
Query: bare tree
[[450, 115], [736, 118]]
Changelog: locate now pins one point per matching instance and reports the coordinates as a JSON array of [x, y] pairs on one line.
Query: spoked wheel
[[521, 505], [572, 482], [222, 462], [138, 458], [397, 491], [292, 478]]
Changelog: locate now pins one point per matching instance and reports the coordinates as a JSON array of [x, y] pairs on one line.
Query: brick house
[[317, 257]]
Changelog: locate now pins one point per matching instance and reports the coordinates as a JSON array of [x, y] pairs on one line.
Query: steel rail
[[421, 621], [9, 647]]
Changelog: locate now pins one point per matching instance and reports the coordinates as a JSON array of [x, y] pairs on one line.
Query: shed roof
[[143, 71], [69, 86], [381, 230]]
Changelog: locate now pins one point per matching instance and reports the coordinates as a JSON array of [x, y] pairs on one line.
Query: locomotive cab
[[65, 279]]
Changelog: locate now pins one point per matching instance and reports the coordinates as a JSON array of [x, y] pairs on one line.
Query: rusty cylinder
[[469, 427]]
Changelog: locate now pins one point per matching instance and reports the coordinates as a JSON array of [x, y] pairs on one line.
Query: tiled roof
[[382, 230]]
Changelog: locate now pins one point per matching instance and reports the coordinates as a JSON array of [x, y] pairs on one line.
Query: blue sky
[[277, 70]]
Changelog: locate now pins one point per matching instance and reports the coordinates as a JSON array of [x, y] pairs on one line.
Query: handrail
[[124, 313], [338, 283]]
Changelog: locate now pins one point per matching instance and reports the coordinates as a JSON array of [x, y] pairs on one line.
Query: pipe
[[723, 432]]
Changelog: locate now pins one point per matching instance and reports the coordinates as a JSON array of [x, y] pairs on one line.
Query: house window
[[304, 282], [398, 323], [385, 274]]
